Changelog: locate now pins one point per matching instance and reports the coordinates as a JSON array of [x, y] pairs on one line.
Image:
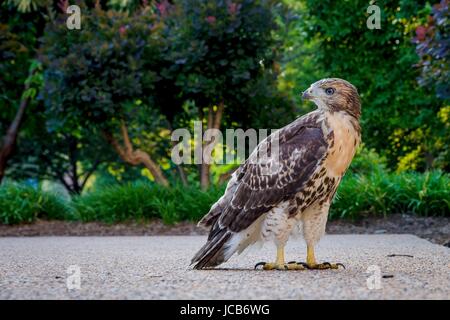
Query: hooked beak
[[307, 95]]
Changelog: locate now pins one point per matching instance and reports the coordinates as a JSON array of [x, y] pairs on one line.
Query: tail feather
[[213, 252], [217, 209], [211, 217]]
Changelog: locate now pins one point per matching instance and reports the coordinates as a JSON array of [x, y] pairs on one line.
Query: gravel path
[[157, 268]]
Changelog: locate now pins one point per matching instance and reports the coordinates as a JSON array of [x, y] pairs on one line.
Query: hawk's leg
[[312, 264], [314, 221], [280, 264]]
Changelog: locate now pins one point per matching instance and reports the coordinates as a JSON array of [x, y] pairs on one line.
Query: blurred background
[[86, 114]]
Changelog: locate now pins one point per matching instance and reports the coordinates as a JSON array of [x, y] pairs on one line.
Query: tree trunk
[[429, 159], [214, 120], [75, 183], [135, 157], [73, 158], [180, 169], [9, 141], [181, 172], [88, 173]]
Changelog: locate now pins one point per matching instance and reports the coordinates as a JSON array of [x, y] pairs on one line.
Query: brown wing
[[259, 192], [255, 188]]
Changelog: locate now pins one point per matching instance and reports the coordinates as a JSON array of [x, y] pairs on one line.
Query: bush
[[360, 194], [381, 193], [399, 117], [23, 203], [367, 161], [143, 201]]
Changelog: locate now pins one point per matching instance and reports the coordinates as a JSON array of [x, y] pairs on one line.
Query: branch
[[9, 141], [210, 122], [67, 186], [126, 138], [135, 157], [181, 172], [218, 116], [90, 172], [119, 149]]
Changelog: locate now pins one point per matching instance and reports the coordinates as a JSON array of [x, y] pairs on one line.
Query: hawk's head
[[335, 94]]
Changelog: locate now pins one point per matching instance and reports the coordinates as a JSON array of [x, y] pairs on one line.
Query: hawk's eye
[[329, 91]]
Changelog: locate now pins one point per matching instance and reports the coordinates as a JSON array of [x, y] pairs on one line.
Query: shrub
[[367, 161], [143, 201], [432, 47], [376, 194], [398, 116], [381, 193], [360, 194], [24, 203]]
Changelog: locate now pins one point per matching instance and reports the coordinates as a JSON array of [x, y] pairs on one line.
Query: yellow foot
[[280, 266], [321, 266]]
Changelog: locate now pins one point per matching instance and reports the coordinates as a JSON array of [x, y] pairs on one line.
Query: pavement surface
[[157, 268]]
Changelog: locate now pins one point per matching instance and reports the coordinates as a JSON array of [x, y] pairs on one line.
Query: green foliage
[[40, 151], [27, 5], [433, 49], [369, 188], [141, 201], [198, 54], [381, 193], [160, 65], [223, 51], [22, 203], [381, 64], [367, 161], [67, 155], [18, 40], [373, 194], [298, 53], [145, 66], [92, 74], [100, 77]]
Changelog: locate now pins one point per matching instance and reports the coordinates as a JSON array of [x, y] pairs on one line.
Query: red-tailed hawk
[[259, 204]]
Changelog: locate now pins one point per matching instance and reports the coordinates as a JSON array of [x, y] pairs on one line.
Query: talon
[[293, 265], [303, 264], [321, 266]]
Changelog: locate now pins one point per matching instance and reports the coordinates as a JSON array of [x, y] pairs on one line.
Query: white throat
[[320, 104]]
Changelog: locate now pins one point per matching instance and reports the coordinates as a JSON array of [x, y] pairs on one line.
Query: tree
[[432, 46], [18, 41], [398, 115], [10, 138], [67, 156], [94, 77], [433, 49], [217, 52], [31, 147]]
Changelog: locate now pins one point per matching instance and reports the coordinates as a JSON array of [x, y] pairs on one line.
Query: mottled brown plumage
[[261, 204]]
